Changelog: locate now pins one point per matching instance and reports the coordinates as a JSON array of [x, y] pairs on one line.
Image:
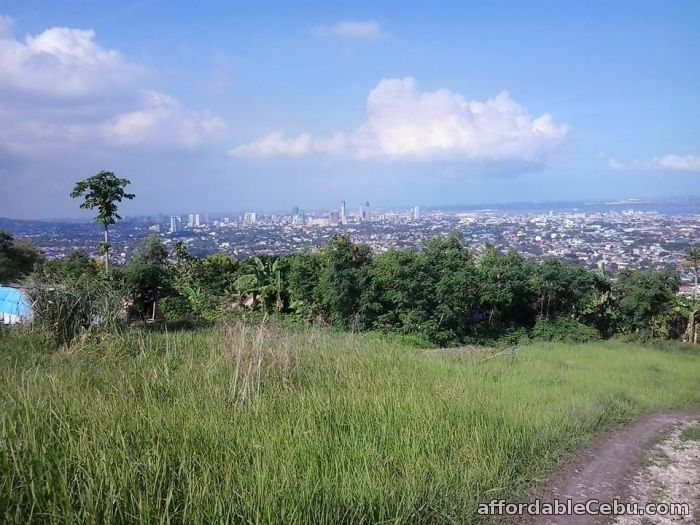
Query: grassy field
[[265, 425]]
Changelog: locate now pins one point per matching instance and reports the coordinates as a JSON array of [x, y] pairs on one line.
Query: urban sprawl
[[606, 240]]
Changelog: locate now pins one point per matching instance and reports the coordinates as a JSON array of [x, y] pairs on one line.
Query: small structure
[[15, 306]]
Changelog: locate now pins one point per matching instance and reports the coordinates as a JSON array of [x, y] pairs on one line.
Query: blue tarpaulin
[[14, 306]]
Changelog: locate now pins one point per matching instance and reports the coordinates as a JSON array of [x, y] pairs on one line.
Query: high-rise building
[[295, 210], [197, 221], [416, 213], [190, 220], [173, 224], [250, 217], [343, 217]]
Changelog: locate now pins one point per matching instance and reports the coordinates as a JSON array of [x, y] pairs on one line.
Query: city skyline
[[232, 108], [692, 202]]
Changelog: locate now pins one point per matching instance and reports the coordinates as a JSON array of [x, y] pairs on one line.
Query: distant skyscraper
[[197, 221], [416, 212], [173, 224], [190, 220], [250, 217], [295, 210], [343, 217]]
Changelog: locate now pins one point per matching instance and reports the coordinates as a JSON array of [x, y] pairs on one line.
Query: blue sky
[[227, 106]]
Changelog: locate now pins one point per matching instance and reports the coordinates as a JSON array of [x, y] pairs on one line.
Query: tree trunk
[[691, 332], [106, 251]]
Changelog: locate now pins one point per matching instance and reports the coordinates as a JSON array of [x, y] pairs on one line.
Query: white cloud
[[7, 26], [160, 122], [60, 89], [276, 144], [351, 30], [62, 62], [404, 123], [665, 163]]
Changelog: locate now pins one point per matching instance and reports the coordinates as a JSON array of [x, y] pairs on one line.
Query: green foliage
[[76, 265], [219, 271], [301, 272], [643, 297], [506, 294], [442, 294], [194, 287], [342, 279], [147, 276], [65, 308], [564, 330], [17, 260], [102, 191]]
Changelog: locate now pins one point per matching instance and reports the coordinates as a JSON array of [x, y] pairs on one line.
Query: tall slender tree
[[692, 262], [103, 191]]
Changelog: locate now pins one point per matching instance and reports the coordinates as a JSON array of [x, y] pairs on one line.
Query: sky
[[235, 106]]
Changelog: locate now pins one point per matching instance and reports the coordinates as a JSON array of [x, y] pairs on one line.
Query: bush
[[65, 309], [513, 338], [564, 330]]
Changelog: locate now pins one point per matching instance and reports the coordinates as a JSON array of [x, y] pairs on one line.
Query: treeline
[[443, 295]]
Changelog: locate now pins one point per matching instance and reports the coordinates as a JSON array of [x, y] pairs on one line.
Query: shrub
[[65, 309], [564, 330], [513, 338]]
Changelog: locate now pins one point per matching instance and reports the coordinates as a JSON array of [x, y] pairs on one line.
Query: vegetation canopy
[[103, 191]]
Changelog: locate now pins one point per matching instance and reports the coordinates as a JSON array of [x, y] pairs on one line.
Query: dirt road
[[647, 462]]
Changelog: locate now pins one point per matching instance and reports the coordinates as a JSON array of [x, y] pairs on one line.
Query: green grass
[[276, 426]]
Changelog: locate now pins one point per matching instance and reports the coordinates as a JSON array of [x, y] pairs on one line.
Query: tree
[[505, 292], [75, 265], [103, 191], [692, 262], [301, 272], [644, 297], [342, 279], [269, 280], [218, 273], [455, 286], [17, 260], [148, 276]]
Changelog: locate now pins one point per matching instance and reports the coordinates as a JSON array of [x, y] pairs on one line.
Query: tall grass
[[65, 310], [248, 424]]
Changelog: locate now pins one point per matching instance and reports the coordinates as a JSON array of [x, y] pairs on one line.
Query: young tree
[[301, 272], [148, 276], [103, 191], [692, 262]]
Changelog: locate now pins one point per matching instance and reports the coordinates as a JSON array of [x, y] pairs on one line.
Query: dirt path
[[646, 462]]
